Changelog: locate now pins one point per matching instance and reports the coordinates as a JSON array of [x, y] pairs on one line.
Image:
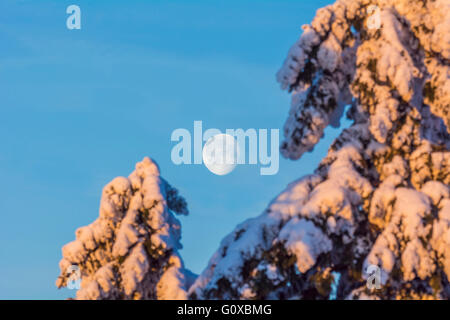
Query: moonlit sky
[[80, 107]]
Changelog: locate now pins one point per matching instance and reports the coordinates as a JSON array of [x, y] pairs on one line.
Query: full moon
[[220, 154]]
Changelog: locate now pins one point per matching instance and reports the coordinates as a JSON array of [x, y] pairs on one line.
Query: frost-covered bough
[[131, 250], [381, 195]]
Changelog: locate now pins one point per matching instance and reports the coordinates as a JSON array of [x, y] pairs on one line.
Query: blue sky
[[80, 107]]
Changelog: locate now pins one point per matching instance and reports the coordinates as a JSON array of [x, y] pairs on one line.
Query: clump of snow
[[305, 241]]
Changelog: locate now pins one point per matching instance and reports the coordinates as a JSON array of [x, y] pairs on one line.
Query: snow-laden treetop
[[381, 195], [131, 250]]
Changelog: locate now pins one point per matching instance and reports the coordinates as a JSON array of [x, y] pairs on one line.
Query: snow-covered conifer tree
[[131, 250], [381, 195]]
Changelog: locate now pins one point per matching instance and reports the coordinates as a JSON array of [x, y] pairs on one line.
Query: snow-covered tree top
[[131, 250]]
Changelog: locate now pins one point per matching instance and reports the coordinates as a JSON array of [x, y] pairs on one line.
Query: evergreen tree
[[131, 250], [381, 195]]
